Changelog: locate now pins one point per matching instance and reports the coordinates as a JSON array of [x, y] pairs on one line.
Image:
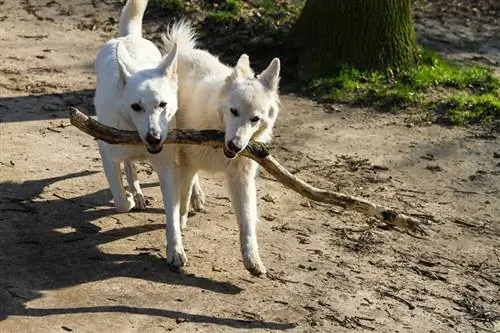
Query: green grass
[[169, 6], [227, 10], [360, 87], [435, 72], [463, 108], [269, 9], [459, 94]]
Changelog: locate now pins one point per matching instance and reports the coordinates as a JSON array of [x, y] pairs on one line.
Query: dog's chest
[[205, 158], [120, 153]]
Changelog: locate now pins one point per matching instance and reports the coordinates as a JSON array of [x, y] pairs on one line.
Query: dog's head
[[149, 96], [249, 105]]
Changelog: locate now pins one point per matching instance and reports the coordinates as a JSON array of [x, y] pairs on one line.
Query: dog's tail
[[182, 33], [131, 18]]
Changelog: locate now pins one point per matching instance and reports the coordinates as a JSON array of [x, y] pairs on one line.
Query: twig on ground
[[397, 298], [278, 277], [429, 274], [258, 152], [64, 198], [54, 130], [351, 322], [465, 223], [461, 191]]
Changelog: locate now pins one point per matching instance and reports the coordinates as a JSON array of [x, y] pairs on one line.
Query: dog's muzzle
[[154, 149], [232, 149], [229, 154], [153, 142]]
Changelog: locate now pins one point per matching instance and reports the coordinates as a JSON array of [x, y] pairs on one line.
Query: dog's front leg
[[123, 200], [197, 196], [187, 178], [168, 173], [134, 185], [244, 200]]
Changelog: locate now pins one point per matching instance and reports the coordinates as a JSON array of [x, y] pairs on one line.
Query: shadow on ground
[[36, 255], [43, 107]]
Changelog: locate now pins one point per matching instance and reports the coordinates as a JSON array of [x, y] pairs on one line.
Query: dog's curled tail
[[131, 18], [182, 33]]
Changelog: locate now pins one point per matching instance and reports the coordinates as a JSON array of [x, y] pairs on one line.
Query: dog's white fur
[[131, 74], [215, 96]]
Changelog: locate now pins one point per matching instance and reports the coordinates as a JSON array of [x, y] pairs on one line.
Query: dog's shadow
[[36, 255], [53, 106]]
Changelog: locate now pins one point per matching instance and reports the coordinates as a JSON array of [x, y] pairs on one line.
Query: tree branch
[[258, 152], [212, 138]]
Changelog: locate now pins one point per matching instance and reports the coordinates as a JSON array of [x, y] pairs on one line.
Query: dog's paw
[[184, 219], [254, 265], [126, 204], [197, 199], [140, 202], [176, 258]]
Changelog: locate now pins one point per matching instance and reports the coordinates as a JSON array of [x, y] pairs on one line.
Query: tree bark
[[366, 34], [259, 153]]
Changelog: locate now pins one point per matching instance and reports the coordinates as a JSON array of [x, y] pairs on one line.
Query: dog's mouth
[[154, 149], [229, 154]]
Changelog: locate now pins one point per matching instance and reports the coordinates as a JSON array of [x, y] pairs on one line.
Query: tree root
[[258, 152]]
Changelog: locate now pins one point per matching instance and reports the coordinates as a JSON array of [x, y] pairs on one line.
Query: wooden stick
[[212, 138], [258, 152]]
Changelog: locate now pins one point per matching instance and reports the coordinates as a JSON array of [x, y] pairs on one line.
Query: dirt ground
[[69, 263]]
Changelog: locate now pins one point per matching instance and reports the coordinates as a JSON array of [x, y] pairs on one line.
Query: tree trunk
[[367, 34]]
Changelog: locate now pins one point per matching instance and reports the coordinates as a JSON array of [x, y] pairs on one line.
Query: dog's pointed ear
[[242, 68], [270, 77], [125, 61], [169, 65], [243, 62]]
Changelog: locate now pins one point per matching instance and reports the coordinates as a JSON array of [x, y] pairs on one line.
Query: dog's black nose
[[233, 147], [153, 138]]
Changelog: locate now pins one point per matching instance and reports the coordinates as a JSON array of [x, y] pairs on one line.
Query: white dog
[[215, 96], [137, 90]]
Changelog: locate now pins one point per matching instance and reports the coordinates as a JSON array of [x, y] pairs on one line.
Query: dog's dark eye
[[254, 119], [162, 104], [234, 112], [136, 107]]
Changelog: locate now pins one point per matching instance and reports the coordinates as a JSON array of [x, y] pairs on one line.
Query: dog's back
[[200, 76]]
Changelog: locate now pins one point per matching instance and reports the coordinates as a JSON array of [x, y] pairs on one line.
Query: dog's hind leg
[[243, 195], [188, 180], [123, 200], [133, 184], [197, 196]]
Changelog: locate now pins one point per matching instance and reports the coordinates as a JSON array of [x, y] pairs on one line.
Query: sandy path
[[68, 262]]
